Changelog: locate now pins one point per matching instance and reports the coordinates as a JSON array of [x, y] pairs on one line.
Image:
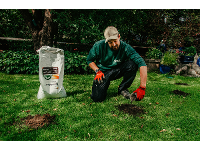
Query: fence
[[15, 43]]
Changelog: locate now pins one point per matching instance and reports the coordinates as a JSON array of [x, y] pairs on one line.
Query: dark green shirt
[[106, 58]]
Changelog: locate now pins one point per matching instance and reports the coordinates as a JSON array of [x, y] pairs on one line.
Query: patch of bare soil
[[181, 83], [130, 109], [181, 93], [36, 121]]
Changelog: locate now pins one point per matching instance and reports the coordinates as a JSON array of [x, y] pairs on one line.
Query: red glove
[[140, 93], [99, 76]]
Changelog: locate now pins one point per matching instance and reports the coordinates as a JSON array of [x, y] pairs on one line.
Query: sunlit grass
[[167, 116]]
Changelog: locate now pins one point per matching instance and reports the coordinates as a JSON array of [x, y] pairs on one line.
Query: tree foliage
[[12, 24], [137, 27], [140, 27]]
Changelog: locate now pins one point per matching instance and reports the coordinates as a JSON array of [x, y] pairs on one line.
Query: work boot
[[126, 94]]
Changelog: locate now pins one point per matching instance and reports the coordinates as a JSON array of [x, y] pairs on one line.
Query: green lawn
[[166, 117]]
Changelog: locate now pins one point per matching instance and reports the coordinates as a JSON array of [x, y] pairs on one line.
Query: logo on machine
[[50, 73]]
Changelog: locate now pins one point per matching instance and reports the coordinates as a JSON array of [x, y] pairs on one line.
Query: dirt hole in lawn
[[36, 121], [181, 84], [181, 93], [130, 109]]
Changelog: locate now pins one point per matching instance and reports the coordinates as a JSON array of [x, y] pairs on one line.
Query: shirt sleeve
[[133, 55], [92, 55]]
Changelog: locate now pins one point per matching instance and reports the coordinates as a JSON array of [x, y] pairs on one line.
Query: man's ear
[[119, 36]]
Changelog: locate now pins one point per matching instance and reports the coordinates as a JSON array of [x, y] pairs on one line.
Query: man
[[112, 59]]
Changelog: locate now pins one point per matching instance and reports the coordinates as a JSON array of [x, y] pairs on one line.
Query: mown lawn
[[165, 117]]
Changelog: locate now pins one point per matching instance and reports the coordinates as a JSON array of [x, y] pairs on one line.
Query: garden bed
[[152, 64]]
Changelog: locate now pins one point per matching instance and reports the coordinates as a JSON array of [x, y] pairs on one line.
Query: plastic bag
[[51, 72], [198, 61]]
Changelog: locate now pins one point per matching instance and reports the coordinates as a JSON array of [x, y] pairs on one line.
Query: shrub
[[153, 53], [24, 62], [19, 62], [169, 59], [189, 51], [75, 62]]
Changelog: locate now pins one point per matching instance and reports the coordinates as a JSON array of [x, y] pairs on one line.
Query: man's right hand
[[140, 92], [99, 76]]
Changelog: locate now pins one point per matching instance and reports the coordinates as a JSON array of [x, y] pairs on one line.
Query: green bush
[[153, 53], [169, 59], [189, 51], [24, 62], [19, 62], [75, 62]]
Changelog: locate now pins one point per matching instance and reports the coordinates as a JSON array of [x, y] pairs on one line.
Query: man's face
[[114, 43]]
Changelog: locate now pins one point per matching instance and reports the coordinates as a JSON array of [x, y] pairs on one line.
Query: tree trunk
[[42, 27]]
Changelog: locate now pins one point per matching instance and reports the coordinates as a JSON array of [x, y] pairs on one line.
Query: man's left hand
[[140, 92]]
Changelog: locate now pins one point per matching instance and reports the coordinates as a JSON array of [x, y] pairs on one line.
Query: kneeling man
[[112, 59]]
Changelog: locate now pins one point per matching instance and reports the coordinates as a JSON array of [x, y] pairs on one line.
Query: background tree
[[142, 27], [77, 26], [42, 27]]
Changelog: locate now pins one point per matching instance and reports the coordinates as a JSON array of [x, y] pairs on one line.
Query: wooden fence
[[78, 46]]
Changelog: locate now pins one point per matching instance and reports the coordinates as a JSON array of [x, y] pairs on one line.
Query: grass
[[167, 117]]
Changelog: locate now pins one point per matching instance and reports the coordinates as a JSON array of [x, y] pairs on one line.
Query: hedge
[[24, 62]]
